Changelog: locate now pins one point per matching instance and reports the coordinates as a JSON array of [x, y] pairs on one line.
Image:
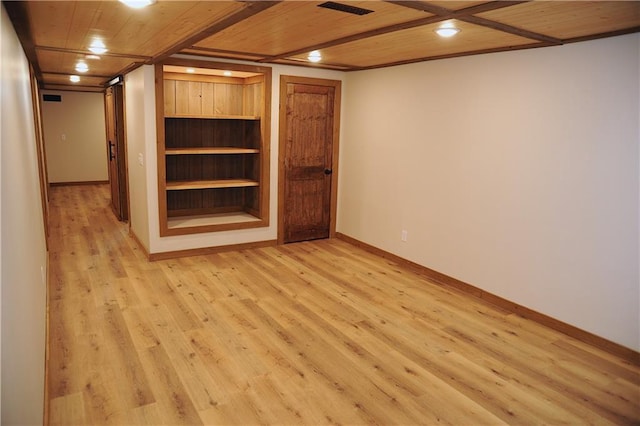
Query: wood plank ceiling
[[57, 34]]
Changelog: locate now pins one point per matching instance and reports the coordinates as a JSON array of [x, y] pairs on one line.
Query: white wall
[[515, 172], [159, 244], [23, 255], [81, 154]]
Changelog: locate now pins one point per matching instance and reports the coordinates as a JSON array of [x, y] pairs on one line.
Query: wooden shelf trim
[[210, 150], [215, 117], [210, 184]]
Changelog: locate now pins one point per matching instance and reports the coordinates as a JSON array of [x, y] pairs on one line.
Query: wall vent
[[345, 8], [52, 98]]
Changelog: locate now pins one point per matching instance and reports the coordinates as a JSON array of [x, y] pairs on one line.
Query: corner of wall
[[151, 155], [137, 157]]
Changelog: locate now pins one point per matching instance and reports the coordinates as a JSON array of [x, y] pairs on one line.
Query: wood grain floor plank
[[242, 409], [140, 328], [69, 353], [192, 372], [225, 369], [146, 415], [124, 361], [68, 409], [580, 352], [103, 404], [313, 333], [174, 404]]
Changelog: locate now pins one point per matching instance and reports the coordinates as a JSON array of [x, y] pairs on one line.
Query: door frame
[[337, 85], [43, 174]]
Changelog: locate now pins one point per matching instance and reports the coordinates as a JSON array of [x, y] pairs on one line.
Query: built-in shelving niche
[[213, 146]]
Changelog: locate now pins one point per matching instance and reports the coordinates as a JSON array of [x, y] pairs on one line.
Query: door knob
[[328, 171]]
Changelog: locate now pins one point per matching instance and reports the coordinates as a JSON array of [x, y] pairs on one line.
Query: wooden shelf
[[215, 117], [210, 184], [210, 150], [211, 219]]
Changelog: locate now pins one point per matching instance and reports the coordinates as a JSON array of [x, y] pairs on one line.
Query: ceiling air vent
[[345, 8]]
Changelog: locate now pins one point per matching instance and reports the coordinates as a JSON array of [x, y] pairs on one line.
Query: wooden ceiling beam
[[356, 37], [423, 6], [494, 25], [455, 55], [468, 15], [81, 75], [616, 33], [487, 7], [72, 88], [86, 52], [325, 65], [223, 53], [450, 13], [249, 9]]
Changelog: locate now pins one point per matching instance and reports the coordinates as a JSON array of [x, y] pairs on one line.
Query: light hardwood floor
[[310, 333]]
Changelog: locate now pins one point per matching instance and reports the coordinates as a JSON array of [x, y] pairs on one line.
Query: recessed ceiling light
[[97, 46], [74, 78], [82, 67], [447, 30], [138, 4], [190, 70], [227, 73], [314, 56]]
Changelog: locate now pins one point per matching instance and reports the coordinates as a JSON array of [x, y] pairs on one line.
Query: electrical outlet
[[403, 236], [140, 159], [63, 137]]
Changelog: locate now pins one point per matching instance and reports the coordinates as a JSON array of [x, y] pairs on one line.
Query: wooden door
[[309, 118], [114, 111]]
